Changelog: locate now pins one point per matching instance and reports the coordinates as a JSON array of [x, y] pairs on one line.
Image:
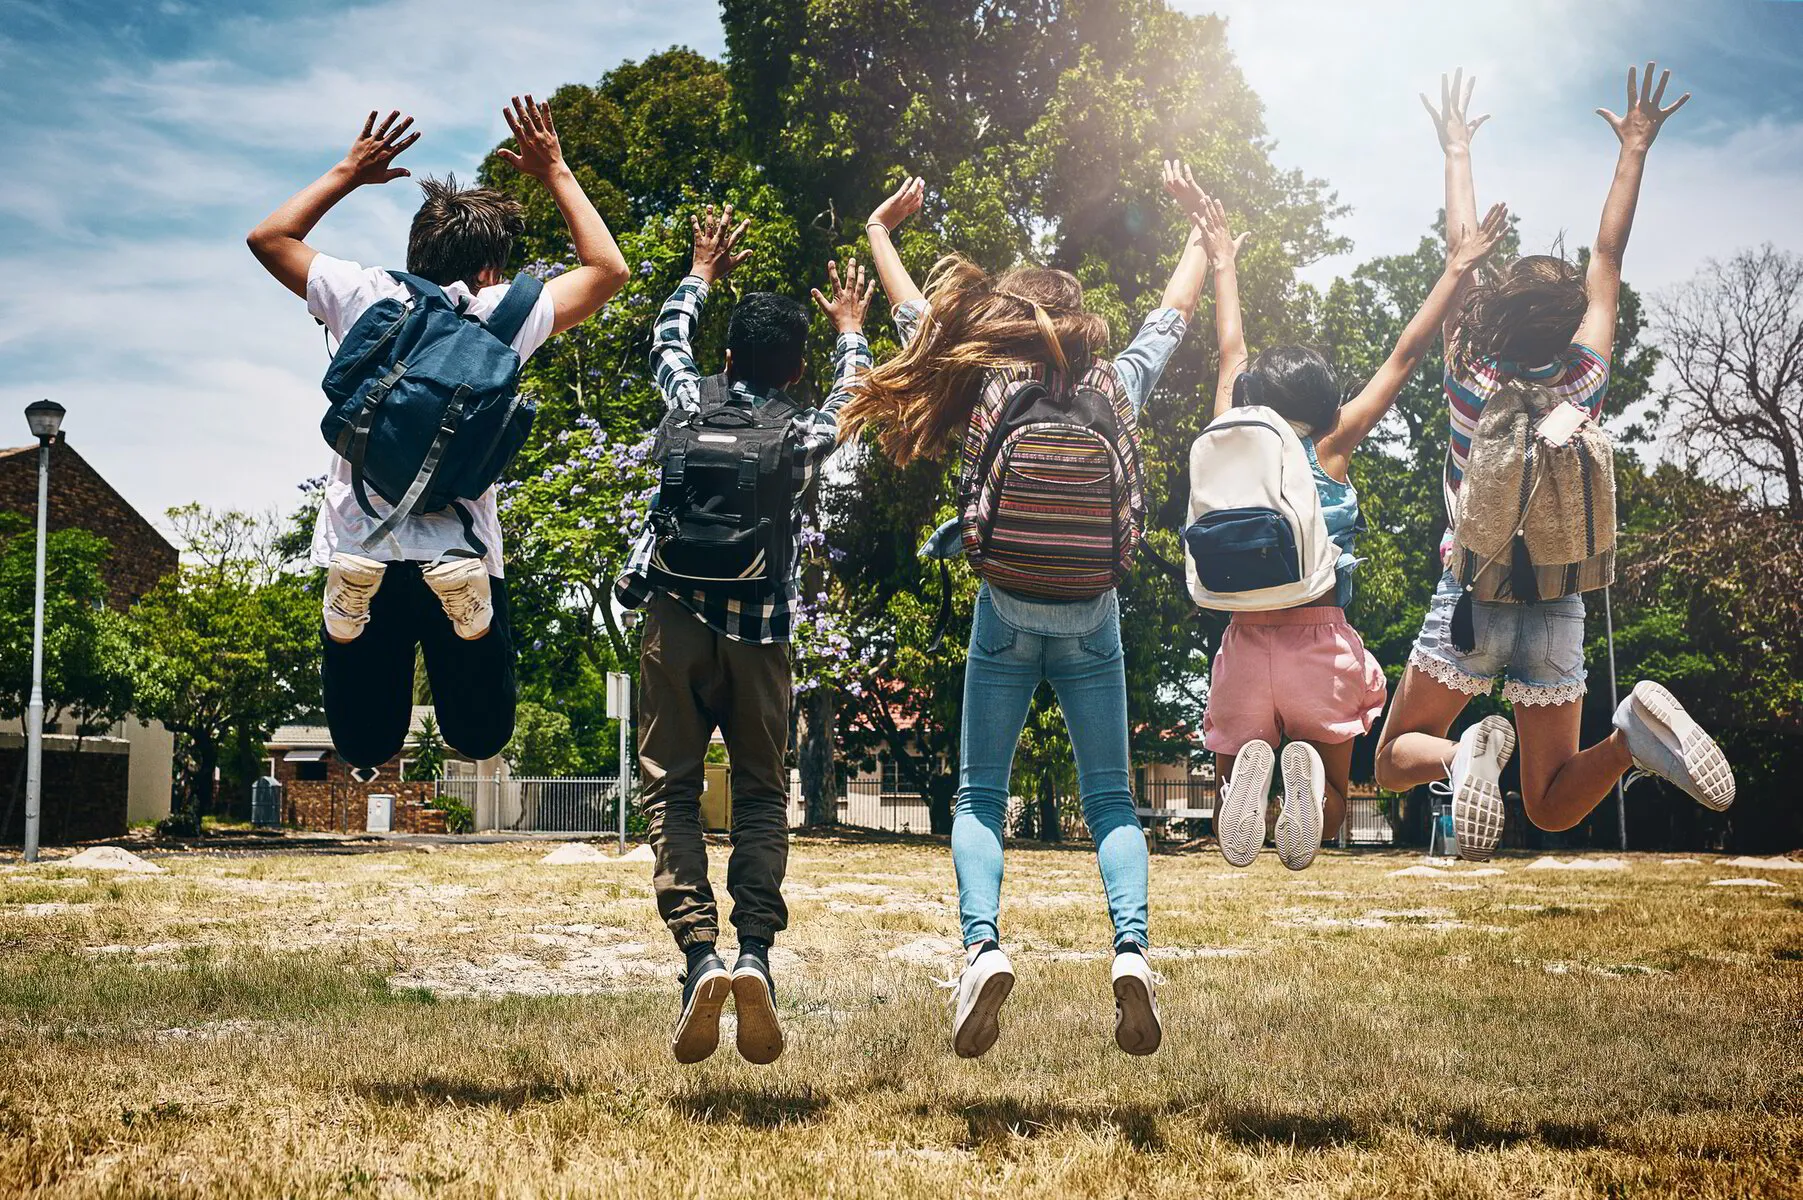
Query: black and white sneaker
[[985, 982], [705, 987], [754, 997]]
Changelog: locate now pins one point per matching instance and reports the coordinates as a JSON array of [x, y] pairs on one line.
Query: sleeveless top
[[1340, 509]]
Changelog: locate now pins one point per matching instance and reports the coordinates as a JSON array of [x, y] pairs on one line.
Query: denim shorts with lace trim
[[1537, 649]]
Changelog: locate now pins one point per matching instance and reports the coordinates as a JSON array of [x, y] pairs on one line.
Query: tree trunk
[[818, 710], [206, 754], [1050, 827]]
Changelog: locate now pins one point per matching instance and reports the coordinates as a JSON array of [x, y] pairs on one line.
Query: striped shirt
[[816, 434], [1579, 376]]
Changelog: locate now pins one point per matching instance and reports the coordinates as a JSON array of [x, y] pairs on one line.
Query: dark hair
[[459, 234], [1296, 382], [1527, 313], [768, 337]]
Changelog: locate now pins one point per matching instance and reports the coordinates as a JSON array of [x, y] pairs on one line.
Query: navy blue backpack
[[425, 402]]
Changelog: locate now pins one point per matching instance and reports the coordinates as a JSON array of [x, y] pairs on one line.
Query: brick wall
[[81, 499], [342, 805], [84, 792]]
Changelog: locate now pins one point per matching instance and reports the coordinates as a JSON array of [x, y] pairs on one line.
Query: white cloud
[[130, 298]]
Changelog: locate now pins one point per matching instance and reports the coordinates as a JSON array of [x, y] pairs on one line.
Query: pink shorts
[[1300, 674]]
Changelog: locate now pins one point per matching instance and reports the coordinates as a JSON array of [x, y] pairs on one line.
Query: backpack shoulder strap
[[510, 315], [420, 287], [713, 391]]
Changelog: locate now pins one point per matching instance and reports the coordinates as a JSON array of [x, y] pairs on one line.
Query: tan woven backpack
[[1535, 520]]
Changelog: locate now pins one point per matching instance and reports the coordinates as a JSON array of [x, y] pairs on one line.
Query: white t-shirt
[[338, 292]]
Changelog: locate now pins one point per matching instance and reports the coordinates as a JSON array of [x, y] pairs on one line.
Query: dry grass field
[[472, 1022]]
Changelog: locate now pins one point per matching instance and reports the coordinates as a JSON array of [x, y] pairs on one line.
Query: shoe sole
[[1477, 807], [698, 1032], [1240, 823], [1703, 759], [1136, 1029], [1298, 835], [981, 1026], [760, 1038]]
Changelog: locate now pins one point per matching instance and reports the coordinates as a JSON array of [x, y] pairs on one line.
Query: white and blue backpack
[[1254, 537]]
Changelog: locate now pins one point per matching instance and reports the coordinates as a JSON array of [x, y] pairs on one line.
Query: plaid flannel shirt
[[816, 433]]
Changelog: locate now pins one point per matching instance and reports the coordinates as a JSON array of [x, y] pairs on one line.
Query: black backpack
[[725, 507]]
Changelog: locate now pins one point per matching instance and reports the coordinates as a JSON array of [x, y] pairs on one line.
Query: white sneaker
[[1666, 742], [986, 981], [1240, 816], [462, 588], [1475, 784], [1298, 835], [1137, 1029], [351, 583]]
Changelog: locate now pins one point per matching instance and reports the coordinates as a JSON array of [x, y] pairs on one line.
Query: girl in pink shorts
[[1301, 675]]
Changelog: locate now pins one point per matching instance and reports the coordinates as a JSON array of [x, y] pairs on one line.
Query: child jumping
[[716, 572], [429, 579], [1535, 331], [1302, 673], [970, 342]]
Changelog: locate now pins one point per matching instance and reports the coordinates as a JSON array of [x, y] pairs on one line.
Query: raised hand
[[1223, 246], [1450, 123], [1476, 245], [371, 155], [1182, 187], [540, 154], [1639, 123], [851, 295], [715, 238], [902, 203]]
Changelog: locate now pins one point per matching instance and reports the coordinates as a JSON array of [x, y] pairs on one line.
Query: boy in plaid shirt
[[709, 660]]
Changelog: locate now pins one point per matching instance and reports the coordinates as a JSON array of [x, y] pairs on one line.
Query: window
[[314, 770]]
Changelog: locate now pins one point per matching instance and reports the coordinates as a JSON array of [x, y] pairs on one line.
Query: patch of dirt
[[1550, 863], [1757, 883], [1776, 862], [110, 858]]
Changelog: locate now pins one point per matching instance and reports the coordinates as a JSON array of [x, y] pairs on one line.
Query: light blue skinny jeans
[[1077, 647]]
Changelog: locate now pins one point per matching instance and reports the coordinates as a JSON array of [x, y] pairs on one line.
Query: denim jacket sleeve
[[1144, 359], [947, 541]]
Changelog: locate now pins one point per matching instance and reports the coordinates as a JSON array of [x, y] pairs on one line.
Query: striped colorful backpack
[[1050, 495]]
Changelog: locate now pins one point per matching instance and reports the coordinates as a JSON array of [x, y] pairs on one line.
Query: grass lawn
[[472, 1022]]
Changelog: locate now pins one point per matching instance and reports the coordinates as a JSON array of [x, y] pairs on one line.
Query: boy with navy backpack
[[716, 572], [425, 416]]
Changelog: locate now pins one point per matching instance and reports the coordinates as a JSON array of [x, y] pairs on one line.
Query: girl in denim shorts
[[1535, 320], [1302, 676]]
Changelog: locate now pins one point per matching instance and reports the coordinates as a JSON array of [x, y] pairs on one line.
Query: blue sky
[[145, 137]]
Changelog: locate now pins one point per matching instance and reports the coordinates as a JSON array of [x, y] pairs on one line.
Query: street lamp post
[[45, 418]]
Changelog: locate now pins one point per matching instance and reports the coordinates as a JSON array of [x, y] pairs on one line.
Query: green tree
[[427, 752], [541, 746], [227, 643]]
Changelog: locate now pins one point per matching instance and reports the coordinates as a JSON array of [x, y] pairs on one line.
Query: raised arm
[[845, 310], [279, 240], [1455, 133], [1360, 415], [903, 203], [1635, 128], [579, 294], [1230, 332], [672, 356], [1185, 288]]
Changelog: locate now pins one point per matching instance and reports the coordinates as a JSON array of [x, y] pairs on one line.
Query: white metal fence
[[585, 804]]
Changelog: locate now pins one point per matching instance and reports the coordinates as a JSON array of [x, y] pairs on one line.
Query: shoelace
[[357, 590], [461, 603], [1634, 776], [1440, 787]]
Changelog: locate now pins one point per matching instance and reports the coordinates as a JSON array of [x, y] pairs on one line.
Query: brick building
[[81, 499], [319, 791], [130, 777]]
